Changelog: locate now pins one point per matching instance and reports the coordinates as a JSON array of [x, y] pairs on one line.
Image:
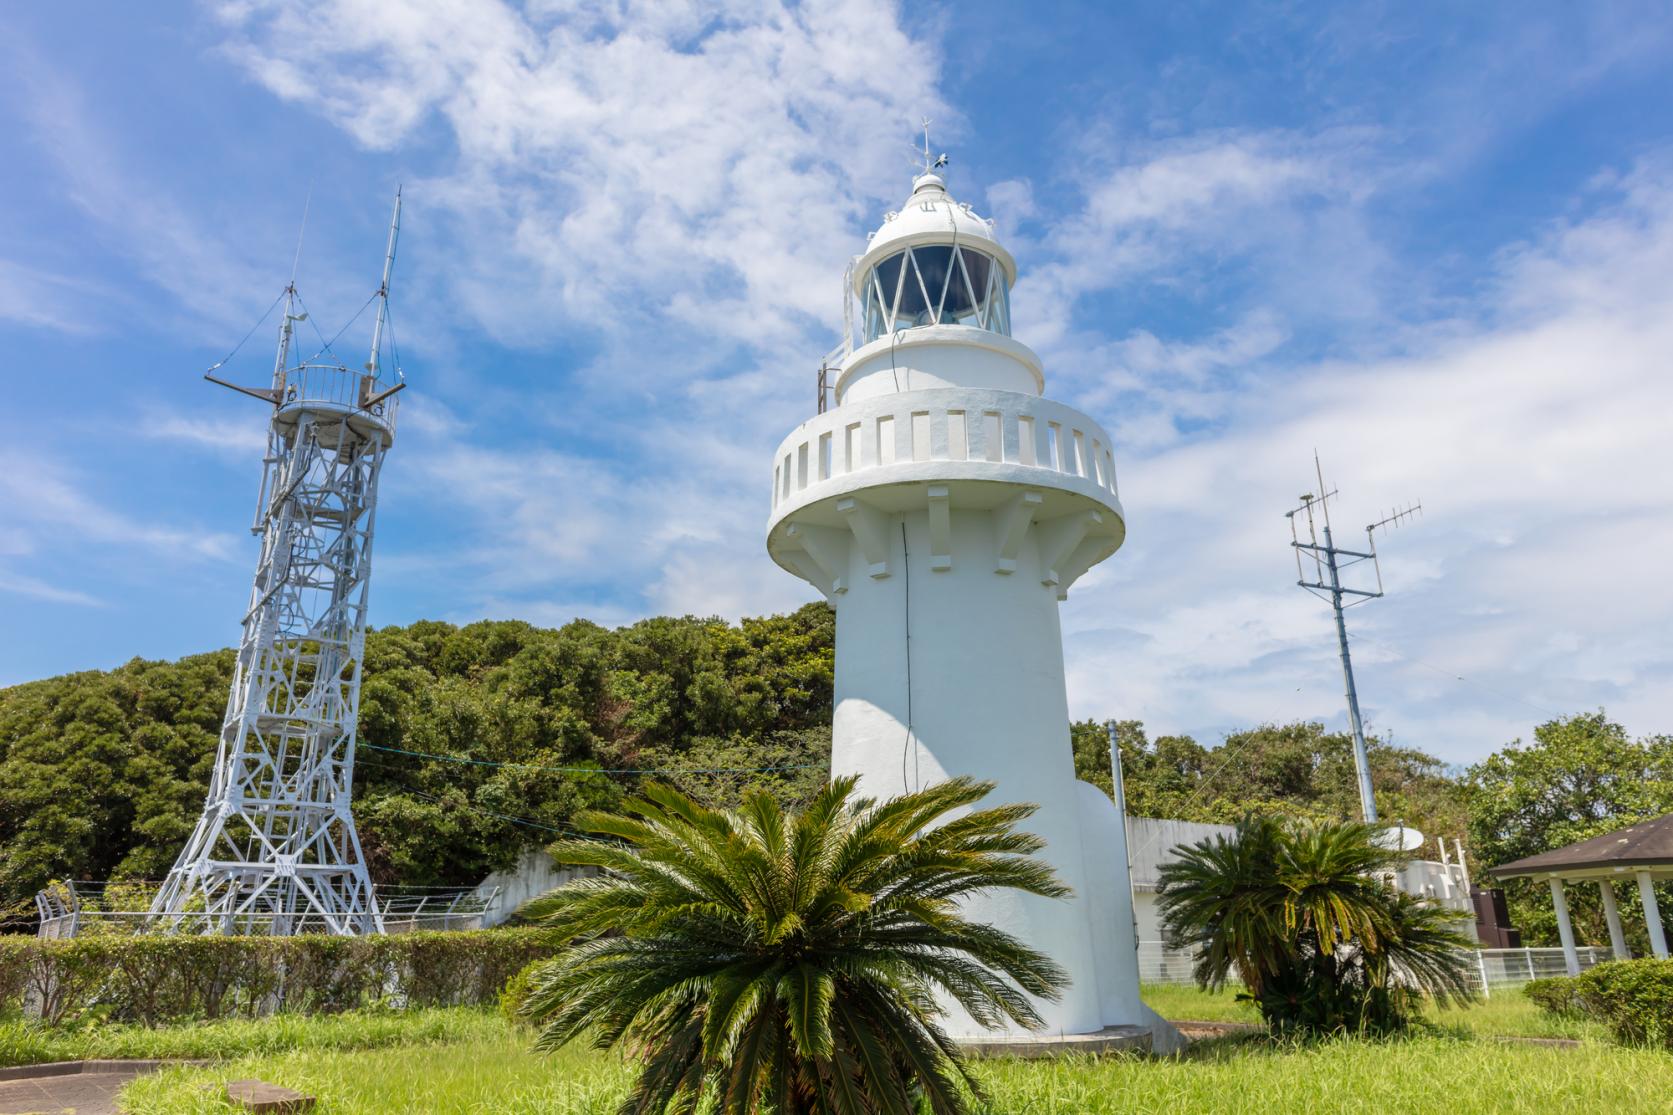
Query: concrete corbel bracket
[[870, 529], [1093, 549], [1010, 523], [1059, 539], [940, 528], [827, 548]]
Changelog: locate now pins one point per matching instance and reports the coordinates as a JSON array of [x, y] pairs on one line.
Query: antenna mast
[[1326, 583], [383, 287]]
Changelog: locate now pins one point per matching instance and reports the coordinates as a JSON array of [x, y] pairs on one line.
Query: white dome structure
[[944, 507]]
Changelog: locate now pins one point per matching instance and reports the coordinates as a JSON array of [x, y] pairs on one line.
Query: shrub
[[1634, 998], [1559, 995], [516, 992], [1301, 914], [157, 979], [789, 961]]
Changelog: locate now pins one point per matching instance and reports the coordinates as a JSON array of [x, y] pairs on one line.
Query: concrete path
[[85, 1093], [75, 1088]]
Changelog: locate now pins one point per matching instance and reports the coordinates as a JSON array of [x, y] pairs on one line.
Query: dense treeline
[[102, 774], [1296, 769]]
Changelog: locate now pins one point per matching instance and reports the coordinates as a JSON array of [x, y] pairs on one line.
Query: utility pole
[[1326, 583]]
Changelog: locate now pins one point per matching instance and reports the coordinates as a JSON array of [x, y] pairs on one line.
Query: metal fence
[[74, 908], [1492, 967]]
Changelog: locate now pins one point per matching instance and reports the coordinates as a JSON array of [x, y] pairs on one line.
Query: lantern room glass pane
[[936, 284], [888, 284], [973, 290], [917, 299], [935, 264]]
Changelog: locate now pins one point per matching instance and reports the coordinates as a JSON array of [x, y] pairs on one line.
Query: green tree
[[1582, 776], [788, 962], [1303, 915], [1294, 769], [102, 773]]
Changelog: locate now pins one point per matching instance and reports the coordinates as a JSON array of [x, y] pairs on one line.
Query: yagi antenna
[[1318, 567]]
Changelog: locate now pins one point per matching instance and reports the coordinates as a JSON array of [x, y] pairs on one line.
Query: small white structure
[[944, 506]]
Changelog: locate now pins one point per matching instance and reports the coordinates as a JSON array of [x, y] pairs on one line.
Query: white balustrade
[[999, 428]]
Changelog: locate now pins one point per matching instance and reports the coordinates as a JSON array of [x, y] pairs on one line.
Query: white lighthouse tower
[[944, 507]]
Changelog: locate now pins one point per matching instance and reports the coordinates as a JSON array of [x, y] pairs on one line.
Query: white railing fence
[[70, 909], [1493, 967]]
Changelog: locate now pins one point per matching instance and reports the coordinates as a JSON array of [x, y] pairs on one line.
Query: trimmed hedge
[[1634, 998], [156, 980], [1558, 995]]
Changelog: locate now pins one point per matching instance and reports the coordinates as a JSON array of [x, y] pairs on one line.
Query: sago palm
[[790, 962], [1304, 916]]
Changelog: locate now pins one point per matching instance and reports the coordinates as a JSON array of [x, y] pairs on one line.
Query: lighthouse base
[[1109, 1040]]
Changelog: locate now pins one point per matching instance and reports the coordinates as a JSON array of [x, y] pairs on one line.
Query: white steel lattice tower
[[275, 850], [944, 507]]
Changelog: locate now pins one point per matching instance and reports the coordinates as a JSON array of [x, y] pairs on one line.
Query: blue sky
[[1433, 241]]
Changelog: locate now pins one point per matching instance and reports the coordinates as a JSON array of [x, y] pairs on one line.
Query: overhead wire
[[591, 770], [326, 347], [259, 323], [1453, 675], [906, 612], [524, 821]]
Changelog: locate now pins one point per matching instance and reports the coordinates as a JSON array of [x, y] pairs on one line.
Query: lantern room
[[934, 262]]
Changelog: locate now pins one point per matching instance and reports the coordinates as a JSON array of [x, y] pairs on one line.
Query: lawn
[[1507, 1014], [28, 1043], [469, 1062]]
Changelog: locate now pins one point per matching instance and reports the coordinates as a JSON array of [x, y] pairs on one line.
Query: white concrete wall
[[535, 874], [939, 356]]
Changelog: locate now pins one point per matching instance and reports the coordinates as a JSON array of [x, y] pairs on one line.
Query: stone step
[[268, 1099]]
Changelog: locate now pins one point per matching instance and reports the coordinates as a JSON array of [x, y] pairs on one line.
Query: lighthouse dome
[[934, 262]]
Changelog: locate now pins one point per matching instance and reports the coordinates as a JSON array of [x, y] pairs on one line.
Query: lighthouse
[[945, 507]]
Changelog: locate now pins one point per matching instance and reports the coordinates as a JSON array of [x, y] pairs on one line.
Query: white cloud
[[21, 584], [680, 186], [1189, 214], [168, 241], [36, 492], [33, 297], [1540, 445], [617, 158], [245, 438]]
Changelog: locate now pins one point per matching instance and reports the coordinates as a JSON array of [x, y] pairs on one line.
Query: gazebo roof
[[1644, 845]]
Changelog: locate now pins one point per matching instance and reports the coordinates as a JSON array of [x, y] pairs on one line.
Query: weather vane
[[931, 163]]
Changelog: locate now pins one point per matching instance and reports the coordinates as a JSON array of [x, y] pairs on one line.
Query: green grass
[[1185, 1002], [468, 1061], [28, 1043], [1431, 1073], [1507, 1014]]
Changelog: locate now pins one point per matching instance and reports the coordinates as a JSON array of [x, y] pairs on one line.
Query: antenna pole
[[287, 325], [1362, 764], [383, 287], [1326, 559]]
